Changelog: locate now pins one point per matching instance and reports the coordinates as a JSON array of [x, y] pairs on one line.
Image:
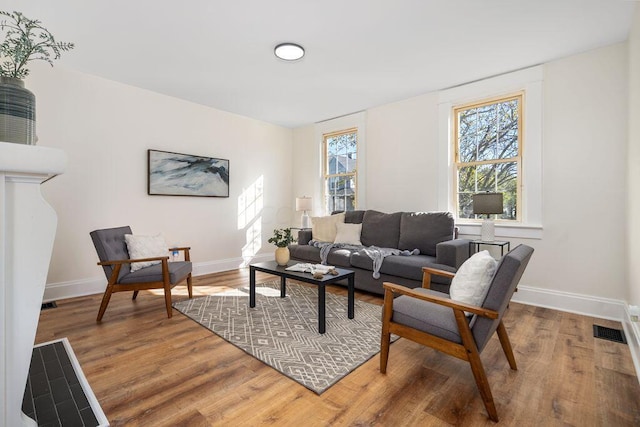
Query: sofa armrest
[[304, 237], [452, 252]]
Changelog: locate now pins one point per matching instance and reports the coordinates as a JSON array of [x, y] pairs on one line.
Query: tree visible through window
[[488, 147], [340, 170]]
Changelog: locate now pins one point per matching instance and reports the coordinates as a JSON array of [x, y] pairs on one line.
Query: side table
[[474, 246]]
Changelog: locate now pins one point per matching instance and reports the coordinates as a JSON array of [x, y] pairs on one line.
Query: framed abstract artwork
[[175, 174]]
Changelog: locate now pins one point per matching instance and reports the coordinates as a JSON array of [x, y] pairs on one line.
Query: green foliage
[[282, 238], [26, 40]]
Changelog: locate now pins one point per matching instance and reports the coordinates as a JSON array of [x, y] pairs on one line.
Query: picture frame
[[177, 174]]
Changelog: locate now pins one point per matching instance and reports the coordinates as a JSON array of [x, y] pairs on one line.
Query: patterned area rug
[[283, 332]]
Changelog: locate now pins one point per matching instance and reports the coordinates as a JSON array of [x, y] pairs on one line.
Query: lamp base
[[306, 221], [487, 232]]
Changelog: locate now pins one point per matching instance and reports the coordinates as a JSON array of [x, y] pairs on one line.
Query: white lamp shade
[[303, 204]]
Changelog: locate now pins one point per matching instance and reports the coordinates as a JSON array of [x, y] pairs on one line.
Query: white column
[[27, 231]]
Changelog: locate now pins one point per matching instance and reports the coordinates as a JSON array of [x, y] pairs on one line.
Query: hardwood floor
[[148, 370]]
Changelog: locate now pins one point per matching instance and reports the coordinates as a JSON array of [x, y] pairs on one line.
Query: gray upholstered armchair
[[433, 319], [114, 258]]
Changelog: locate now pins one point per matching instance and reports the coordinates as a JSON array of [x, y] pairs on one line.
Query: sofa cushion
[[354, 217], [323, 228], [339, 258], [348, 233], [380, 229], [408, 267], [424, 230]]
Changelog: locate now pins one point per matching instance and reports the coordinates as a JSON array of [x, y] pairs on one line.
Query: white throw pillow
[[323, 228], [145, 247], [348, 233], [471, 282]]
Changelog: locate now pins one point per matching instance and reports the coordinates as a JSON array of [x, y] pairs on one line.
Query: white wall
[[106, 129], [584, 120], [402, 147], [584, 175], [633, 162]]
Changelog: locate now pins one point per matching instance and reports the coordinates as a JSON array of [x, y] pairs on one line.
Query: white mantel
[[27, 231]]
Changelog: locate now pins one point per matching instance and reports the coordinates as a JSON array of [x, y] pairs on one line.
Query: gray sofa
[[433, 233]]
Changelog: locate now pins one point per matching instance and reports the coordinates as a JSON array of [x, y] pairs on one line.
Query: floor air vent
[[616, 335], [47, 305]]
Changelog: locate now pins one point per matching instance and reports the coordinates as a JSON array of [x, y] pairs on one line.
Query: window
[[340, 170], [488, 153]]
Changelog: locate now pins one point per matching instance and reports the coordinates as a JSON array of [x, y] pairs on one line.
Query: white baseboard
[[604, 308], [97, 285]]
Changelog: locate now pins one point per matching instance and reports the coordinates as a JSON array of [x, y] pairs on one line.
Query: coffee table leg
[[321, 314], [351, 297], [283, 287], [252, 287]]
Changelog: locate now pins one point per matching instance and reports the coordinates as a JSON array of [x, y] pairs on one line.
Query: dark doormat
[[57, 392], [615, 335]]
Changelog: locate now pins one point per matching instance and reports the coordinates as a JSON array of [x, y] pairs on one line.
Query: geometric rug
[[283, 332]]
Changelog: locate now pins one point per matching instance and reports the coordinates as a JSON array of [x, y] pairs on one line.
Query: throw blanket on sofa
[[379, 254], [325, 247], [375, 253]]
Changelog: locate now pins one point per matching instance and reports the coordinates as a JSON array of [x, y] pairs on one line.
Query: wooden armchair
[[114, 258], [433, 319]]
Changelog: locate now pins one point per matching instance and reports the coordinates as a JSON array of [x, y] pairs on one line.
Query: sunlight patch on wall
[[250, 205]]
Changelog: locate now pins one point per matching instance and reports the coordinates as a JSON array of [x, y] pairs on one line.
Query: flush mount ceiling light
[[289, 51]]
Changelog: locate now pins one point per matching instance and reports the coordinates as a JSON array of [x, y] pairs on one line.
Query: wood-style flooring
[[148, 370]]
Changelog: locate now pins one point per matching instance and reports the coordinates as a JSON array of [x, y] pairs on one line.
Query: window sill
[[518, 231]]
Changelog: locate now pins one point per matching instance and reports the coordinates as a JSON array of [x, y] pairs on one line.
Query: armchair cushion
[[471, 282], [145, 247], [177, 271], [425, 316]]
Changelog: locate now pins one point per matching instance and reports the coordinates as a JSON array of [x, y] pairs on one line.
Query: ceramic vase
[[17, 112], [282, 256]]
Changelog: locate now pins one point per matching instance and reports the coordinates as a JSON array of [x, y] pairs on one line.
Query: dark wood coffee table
[[272, 267]]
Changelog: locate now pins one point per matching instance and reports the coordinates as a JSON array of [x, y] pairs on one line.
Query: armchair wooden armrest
[[129, 261], [456, 305], [428, 271], [185, 249]]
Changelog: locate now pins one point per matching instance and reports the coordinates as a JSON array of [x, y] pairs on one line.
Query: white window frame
[[358, 122], [530, 81]]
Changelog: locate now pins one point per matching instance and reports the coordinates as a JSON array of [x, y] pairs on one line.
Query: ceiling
[[359, 53]]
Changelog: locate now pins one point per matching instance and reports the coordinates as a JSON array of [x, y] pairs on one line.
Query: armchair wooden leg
[[483, 385], [473, 356], [385, 339], [135, 295], [506, 345], [105, 302], [167, 300], [190, 286]]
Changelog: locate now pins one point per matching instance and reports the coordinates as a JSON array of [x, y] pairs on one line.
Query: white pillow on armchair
[[471, 282]]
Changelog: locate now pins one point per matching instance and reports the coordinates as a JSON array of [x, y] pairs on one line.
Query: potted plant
[[24, 40], [282, 238]]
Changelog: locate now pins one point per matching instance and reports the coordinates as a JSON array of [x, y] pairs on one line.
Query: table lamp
[[487, 204], [304, 204]]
